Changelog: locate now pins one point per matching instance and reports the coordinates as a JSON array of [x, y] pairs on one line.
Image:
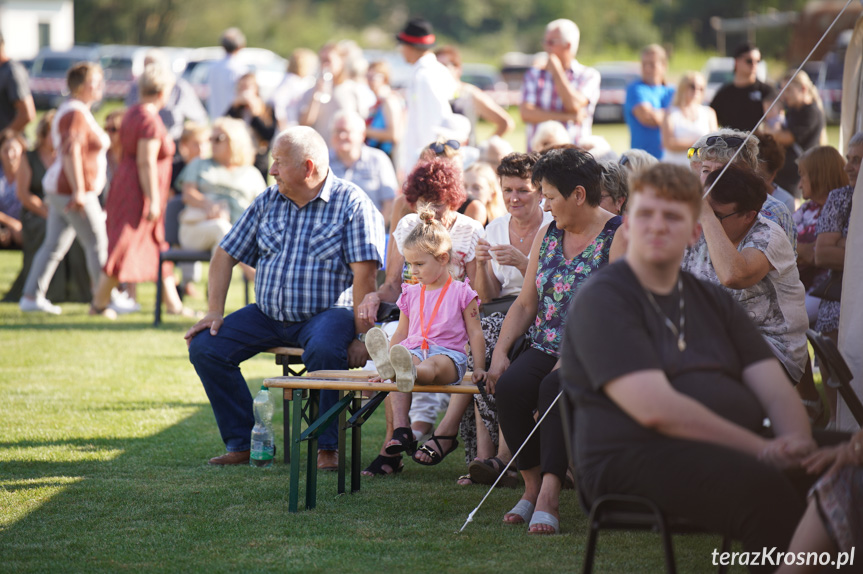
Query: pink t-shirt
[[448, 329]]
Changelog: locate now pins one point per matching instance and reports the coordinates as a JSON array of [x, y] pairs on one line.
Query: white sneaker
[[403, 364], [38, 304], [378, 345], [121, 303]]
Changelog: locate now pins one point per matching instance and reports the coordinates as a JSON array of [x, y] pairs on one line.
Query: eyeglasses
[[438, 147], [219, 138], [112, 129], [751, 61], [729, 141], [721, 217]]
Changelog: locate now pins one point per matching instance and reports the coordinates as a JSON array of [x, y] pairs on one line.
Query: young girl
[[438, 317]]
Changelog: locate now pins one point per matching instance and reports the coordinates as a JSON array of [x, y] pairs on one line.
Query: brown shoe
[[328, 460], [236, 457]]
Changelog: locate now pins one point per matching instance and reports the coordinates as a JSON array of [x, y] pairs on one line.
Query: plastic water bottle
[[263, 445]]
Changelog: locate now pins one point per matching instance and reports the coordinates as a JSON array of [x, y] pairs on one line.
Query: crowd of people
[[674, 320]]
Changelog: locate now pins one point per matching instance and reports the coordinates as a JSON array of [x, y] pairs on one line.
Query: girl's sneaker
[[378, 345], [405, 371]]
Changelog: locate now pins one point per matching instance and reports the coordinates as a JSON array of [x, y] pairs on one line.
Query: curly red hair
[[436, 181]]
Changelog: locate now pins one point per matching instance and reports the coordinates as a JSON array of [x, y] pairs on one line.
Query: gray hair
[[568, 30], [550, 129], [636, 160], [721, 152], [856, 139], [155, 79], [614, 181], [353, 119], [306, 143]]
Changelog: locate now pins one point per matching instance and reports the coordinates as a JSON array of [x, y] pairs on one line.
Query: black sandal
[[486, 471], [406, 442], [376, 468], [436, 457]]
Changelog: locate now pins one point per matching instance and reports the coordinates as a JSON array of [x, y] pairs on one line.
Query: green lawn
[[104, 436]]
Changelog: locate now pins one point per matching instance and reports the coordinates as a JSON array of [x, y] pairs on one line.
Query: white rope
[[536, 426], [782, 91]]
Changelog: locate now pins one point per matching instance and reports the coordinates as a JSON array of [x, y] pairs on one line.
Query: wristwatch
[[361, 337]]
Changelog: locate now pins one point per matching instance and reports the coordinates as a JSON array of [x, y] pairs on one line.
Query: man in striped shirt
[[316, 242], [560, 88]]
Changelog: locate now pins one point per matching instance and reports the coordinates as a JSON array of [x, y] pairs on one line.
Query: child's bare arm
[[476, 338], [401, 331]]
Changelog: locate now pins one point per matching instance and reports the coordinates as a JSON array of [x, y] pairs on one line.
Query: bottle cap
[[265, 388]]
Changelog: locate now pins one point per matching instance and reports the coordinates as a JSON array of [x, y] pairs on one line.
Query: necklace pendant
[[521, 240], [681, 344]]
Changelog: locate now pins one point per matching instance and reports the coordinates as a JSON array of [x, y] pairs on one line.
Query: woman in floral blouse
[[565, 253]]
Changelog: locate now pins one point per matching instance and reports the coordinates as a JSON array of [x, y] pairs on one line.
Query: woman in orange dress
[[139, 192]]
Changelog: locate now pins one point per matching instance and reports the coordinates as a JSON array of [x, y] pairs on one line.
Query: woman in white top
[[502, 256], [687, 119], [501, 263]]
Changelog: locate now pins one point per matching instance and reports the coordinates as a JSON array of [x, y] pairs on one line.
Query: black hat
[[418, 33]]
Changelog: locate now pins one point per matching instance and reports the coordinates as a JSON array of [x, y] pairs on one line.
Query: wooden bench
[[303, 393]]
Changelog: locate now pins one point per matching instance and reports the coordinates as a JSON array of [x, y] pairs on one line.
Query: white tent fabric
[[851, 318]]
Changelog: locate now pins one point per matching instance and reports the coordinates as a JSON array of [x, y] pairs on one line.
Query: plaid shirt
[[303, 255], [538, 89]]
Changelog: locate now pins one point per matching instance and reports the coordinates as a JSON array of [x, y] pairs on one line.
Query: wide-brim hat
[[419, 33]]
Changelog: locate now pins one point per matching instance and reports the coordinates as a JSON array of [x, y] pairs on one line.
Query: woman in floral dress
[[565, 253]]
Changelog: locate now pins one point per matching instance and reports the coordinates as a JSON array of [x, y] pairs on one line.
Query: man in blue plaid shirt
[[316, 242]]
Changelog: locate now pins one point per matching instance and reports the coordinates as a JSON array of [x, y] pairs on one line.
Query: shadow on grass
[[98, 326]]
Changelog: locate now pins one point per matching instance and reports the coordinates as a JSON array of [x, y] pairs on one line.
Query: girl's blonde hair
[[429, 235], [495, 207], [802, 80]]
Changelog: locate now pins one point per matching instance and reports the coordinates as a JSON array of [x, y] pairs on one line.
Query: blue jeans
[[245, 333]]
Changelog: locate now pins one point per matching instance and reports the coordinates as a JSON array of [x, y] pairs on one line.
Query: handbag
[[499, 305], [830, 289]]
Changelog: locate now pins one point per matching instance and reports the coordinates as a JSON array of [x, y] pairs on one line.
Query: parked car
[[488, 79], [720, 71], [614, 78], [122, 65], [269, 68], [48, 74]]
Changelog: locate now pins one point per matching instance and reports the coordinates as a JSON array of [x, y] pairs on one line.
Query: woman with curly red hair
[[436, 184]]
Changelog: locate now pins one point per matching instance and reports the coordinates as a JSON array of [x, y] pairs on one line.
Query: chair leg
[[157, 317], [667, 546], [590, 551], [726, 547]]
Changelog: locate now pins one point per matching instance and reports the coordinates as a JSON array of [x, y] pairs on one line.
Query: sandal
[[523, 509], [545, 518], [376, 468], [105, 312], [406, 442], [439, 455], [486, 471], [464, 480]]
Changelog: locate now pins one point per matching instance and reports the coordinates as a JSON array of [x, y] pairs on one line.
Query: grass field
[[104, 436]]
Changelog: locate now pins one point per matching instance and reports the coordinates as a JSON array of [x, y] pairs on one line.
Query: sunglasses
[[219, 138], [623, 161], [111, 129], [729, 141], [439, 147], [721, 217]]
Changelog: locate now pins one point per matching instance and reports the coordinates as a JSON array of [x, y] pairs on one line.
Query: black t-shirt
[[805, 124], [14, 87], [614, 331], [740, 108]]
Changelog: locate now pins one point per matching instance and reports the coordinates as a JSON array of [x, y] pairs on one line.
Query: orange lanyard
[[424, 329]]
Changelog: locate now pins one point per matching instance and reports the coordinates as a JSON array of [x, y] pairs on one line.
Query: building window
[[44, 34]]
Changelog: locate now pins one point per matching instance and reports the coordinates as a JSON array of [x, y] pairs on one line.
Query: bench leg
[[312, 458], [340, 489], [157, 315], [286, 445], [356, 447], [294, 492]]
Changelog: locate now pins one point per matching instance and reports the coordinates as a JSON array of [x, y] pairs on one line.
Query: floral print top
[[806, 220], [558, 279]]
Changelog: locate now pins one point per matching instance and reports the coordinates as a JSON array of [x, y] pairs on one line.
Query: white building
[[28, 25]]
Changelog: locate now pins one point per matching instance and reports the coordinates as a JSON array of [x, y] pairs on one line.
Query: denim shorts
[[459, 359]]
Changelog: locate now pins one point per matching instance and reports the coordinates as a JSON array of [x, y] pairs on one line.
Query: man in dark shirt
[[671, 382], [739, 104], [16, 103]]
